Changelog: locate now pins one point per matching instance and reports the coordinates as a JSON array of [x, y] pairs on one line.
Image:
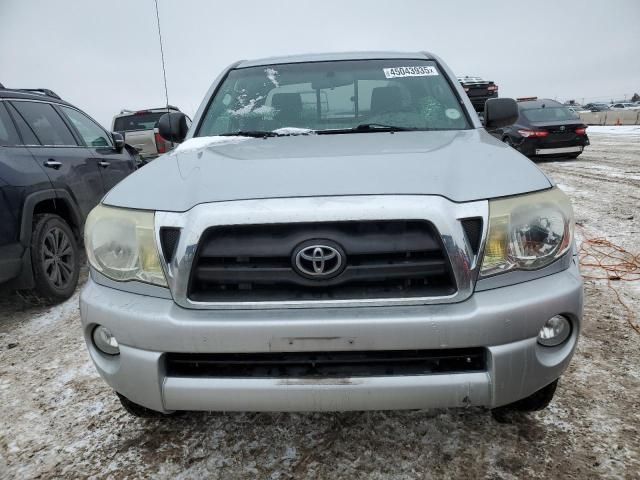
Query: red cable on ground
[[613, 263]]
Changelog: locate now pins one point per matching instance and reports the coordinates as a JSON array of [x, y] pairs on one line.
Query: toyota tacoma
[[334, 232]]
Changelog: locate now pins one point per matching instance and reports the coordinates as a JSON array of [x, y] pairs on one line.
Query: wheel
[[508, 141], [534, 402], [55, 258], [140, 411]]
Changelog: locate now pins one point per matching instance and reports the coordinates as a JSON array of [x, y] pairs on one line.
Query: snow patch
[[249, 108], [615, 129], [294, 131], [198, 143], [56, 313], [565, 188], [272, 75]]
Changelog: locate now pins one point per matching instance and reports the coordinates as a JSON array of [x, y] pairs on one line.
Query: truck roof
[[327, 57]]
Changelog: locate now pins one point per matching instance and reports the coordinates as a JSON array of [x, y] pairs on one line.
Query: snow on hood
[[198, 143], [462, 165]]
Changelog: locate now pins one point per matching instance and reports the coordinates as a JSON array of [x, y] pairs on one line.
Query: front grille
[[325, 364], [382, 259]]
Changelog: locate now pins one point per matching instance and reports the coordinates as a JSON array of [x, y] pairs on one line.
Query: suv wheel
[[139, 411], [54, 257], [536, 401]]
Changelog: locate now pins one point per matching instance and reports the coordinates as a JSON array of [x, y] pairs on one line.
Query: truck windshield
[[337, 96]]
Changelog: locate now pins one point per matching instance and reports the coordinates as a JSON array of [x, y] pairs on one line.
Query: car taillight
[[533, 133], [161, 144], [492, 87], [581, 131]]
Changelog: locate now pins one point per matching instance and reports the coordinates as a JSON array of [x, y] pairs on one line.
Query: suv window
[[325, 96], [137, 121], [8, 133], [28, 137], [92, 134], [45, 123]]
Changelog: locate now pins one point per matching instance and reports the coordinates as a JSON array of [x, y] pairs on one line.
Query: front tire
[[139, 411], [536, 401], [55, 258]]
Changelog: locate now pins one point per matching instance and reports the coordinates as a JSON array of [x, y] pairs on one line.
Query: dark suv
[[56, 163]]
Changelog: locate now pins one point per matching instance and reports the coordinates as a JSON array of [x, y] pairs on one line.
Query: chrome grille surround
[[444, 214]]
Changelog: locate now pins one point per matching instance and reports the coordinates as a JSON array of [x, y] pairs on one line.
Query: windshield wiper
[[368, 127], [363, 127], [281, 132], [250, 133]]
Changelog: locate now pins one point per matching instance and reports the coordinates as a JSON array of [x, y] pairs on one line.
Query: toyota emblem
[[318, 260]]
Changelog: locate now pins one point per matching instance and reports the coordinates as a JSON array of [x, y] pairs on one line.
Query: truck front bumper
[[504, 321]]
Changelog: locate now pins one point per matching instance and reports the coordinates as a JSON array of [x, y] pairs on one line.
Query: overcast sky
[[103, 56]]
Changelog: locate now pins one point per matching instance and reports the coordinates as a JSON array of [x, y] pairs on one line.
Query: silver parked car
[[336, 232]]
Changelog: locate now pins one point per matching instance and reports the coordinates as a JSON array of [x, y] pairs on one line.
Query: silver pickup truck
[[140, 130], [366, 246]]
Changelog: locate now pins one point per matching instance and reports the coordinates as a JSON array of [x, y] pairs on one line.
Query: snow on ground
[[59, 419], [614, 129]]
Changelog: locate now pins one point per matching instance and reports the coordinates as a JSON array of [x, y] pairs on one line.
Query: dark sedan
[[545, 128]]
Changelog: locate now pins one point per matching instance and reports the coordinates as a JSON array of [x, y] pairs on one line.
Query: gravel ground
[[60, 420]]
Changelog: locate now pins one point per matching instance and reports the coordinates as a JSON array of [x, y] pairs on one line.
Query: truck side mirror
[[173, 126], [500, 112], [118, 141]]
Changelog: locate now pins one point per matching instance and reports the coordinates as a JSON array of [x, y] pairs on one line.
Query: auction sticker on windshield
[[398, 72]]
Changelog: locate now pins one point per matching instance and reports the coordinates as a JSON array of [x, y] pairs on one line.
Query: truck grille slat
[[383, 259], [325, 364]]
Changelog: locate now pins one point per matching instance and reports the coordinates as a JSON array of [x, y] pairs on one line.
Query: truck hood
[[461, 165]]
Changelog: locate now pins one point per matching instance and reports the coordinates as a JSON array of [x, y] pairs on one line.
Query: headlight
[[120, 244], [527, 232]]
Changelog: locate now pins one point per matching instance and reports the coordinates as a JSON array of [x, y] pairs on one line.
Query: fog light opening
[[104, 341], [555, 331]]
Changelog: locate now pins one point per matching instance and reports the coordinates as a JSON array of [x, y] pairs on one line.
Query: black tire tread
[[139, 411], [42, 288], [536, 401]]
